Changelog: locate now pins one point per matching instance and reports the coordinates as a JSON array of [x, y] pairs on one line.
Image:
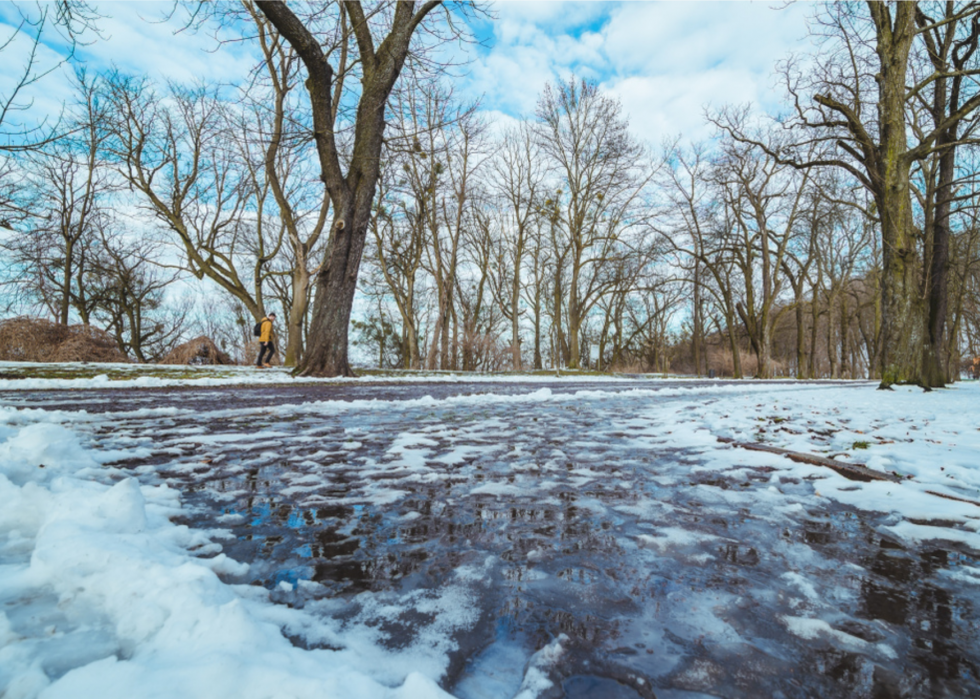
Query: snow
[[537, 678], [816, 628], [932, 437], [234, 376], [102, 594]]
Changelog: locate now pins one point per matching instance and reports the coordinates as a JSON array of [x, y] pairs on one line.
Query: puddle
[[665, 579]]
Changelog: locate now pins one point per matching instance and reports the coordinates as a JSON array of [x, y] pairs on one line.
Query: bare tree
[[518, 180], [133, 304], [69, 188], [276, 141], [383, 39], [766, 202], [950, 42], [698, 227], [858, 106], [585, 135], [398, 237], [180, 155], [65, 22]]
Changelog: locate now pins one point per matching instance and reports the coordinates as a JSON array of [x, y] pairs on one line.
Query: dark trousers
[[263, 348]]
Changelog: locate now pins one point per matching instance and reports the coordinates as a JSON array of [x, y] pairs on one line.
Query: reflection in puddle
[[666, 579]]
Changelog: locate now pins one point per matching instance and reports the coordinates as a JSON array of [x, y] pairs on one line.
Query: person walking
[[266, 341]]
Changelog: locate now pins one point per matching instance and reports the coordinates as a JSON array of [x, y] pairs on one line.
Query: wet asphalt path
[[584, 522]]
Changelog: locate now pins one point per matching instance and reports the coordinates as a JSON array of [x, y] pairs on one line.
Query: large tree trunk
[[933, 350], [515, 316], [755, 340], [733, 344], [558, 353], [336, 283], [65, 301], [573, 320], [446, 313], [901, 327], [831, 345], [901, 307], [412, 340], [800, 335], [764, 353], [842, 320], [697, 334], [538, 365]]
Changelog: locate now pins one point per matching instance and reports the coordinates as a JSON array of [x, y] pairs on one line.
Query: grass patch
[[114, 372], [860, 445]]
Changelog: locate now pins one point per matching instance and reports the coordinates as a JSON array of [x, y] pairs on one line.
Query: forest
[[343, 184]]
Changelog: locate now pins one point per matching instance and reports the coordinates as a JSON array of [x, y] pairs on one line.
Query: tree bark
[[901, 331]]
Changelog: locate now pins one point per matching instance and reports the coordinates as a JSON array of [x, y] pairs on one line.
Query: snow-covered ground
[[20, 376], [568, 539]]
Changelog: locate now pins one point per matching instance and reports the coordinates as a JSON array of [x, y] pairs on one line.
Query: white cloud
[[665, 61], [499, 123], [696, 36], [666, 106], [141, 39]]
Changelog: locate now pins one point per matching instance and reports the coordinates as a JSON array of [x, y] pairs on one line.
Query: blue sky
[[665, 61]]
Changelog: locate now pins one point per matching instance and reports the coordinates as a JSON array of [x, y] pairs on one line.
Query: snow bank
[[102, 597]]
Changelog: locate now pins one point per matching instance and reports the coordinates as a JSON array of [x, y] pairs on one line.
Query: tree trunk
[[901, 327], [65, 305], [764, 352], [800, 335], [831, 344], [515, 317], [844, 366], [901, 308], [335, 287], [538, 365], [933, 372], [297, 314], [733, 344], [558, 353], [446, 314], [573, 320], [697, 335]]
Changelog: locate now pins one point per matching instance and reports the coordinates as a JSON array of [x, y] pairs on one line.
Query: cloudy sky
[[665, 61]]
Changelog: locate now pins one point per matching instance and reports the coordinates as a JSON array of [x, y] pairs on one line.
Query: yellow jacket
[[266, 334]]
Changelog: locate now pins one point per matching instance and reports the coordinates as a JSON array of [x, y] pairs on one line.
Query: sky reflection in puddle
[[659, 576]]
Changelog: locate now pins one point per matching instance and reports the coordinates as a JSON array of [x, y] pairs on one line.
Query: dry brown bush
[[200, 350], [37, 340]]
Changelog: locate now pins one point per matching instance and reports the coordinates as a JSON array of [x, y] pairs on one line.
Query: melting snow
[[597, 513]]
